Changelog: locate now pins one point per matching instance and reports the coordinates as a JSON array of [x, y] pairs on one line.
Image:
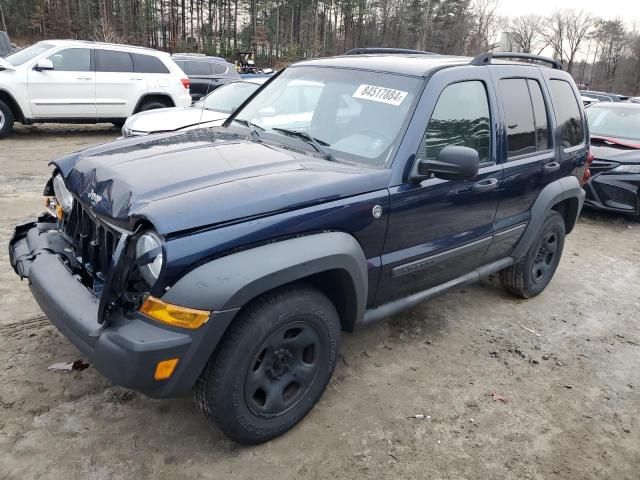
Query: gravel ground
[[538, 389]]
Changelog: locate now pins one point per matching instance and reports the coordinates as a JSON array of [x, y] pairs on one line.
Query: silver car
[[209, 111]]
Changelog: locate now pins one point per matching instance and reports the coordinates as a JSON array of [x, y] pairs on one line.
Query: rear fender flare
[[550, 196]]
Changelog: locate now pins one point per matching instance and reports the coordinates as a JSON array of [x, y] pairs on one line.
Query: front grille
[[93, 243], [618, 195]]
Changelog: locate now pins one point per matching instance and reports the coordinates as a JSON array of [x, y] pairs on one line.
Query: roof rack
[[188, 54], [379, 50], [485, 58]]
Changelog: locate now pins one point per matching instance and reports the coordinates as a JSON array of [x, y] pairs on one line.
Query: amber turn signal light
[[174, 315], [165, 368]]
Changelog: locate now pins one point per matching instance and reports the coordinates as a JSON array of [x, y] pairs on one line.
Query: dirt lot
[[567, 364]]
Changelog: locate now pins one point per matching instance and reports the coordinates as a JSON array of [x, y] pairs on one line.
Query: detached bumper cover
[[127, 350], [614, 192]]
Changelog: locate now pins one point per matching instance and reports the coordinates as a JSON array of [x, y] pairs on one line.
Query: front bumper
[[614, 192], [127, 350]]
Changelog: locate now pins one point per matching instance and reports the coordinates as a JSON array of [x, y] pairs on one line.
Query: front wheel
[[151, 105], [6, 119], [531, 274], [272, 366]]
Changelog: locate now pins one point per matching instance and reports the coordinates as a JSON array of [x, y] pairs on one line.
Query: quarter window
[[219, 68], [72, 60], [148, 64], [112, 61], [461, 117], [567, 113], [198, 68]]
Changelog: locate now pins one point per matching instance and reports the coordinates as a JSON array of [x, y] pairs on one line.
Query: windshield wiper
[[314, 142], [252, 128]]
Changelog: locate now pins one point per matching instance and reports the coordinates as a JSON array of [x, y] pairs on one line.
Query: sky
[[628, 10]]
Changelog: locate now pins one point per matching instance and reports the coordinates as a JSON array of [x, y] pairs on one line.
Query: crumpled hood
[[615, 154], [180, 181], [170, 119]]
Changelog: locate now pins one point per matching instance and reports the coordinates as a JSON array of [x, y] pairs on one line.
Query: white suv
[[75, 81]]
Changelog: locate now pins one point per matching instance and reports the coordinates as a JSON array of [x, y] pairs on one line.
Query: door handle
[[486, 185], [136, 78], [551, 167], [83, 78]]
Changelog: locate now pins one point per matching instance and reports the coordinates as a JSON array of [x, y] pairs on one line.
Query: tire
[[272, 365], [150, 105], [6, 119], [118, 124], [531, 274]]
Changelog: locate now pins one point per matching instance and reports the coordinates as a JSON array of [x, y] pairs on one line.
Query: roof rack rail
[[379, 50], [485, 58], [189, 54]]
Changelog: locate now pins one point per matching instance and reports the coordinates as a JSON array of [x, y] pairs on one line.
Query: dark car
[[227, 261], [205, 73], [6, 47], [615, 144]]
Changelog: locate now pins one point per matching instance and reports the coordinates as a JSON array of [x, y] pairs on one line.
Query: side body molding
[[231, 282], [562, 189]]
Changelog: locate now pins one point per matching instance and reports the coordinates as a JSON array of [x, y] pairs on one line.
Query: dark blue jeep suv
[[228, 260]]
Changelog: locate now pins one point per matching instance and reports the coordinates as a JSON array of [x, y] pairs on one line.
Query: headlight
[[149, 256], [63, 196], [627, 169]]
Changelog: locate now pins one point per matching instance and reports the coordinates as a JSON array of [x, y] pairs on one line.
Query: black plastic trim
[[433, 260], [396, 306], [485, 58]]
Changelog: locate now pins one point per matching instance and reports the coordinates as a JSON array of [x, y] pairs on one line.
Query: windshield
[[28, 53], [357, 116], [227, 98], [614, 122]]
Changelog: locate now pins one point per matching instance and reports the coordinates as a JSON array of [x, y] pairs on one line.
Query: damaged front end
[[91, 279]]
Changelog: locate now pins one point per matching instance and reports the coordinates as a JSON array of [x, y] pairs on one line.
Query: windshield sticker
[[380, 94]]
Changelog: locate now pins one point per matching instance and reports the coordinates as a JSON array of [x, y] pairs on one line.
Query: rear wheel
[[272, 365], [151, 105], [531, 275], [6, 119]]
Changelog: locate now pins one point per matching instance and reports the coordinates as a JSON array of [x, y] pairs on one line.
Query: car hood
[[612, 153], [180, 181], [4, 65], [170, 119]]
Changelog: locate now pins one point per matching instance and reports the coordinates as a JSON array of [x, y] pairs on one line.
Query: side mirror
[[43, 64], [453, 163]]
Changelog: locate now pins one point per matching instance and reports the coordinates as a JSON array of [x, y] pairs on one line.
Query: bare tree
[[566, 32], [612, 39], [483, 35], [578, 27], [526, 33]]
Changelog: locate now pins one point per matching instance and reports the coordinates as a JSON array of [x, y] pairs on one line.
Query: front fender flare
[[232, 281]]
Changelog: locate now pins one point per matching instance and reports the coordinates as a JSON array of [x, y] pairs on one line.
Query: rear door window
[[148, 64], [198, 68], [113, 61], [521, 130], [540, 115], [567, 113]]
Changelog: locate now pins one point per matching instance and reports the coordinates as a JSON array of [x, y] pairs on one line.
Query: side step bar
[[396, 306]]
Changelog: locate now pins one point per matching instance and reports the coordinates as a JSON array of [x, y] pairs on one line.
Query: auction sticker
[[380, 94]]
